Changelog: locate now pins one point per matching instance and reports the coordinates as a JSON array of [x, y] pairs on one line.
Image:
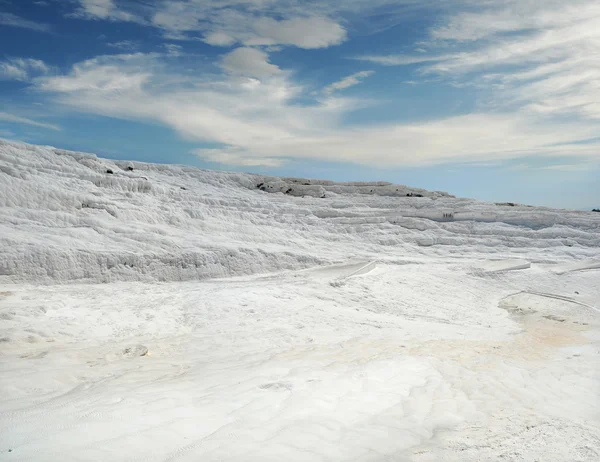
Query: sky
[[496, 100]]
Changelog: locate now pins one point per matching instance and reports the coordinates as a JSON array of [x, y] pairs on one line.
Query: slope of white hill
[[64, 218], [167, 313]]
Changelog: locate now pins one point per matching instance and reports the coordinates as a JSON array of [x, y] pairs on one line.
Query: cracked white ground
[[170, 313]]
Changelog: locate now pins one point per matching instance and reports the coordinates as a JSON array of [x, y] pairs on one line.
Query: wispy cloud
[[103, 10], [399, 60], [22, 69], [9, 19], [229, 22], [307, 24], [23, 120], [251, 112], [233, 156], [100, 76], [173, 49], [182, 21], [535, 65], [348, 81], [541, 57], [125, 45]]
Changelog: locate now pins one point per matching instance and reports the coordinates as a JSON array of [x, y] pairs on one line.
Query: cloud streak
[[9, 19], [6, 117], [399, 60], [348, 81]]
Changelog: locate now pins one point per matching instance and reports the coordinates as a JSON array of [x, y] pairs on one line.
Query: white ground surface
[[239, 325]]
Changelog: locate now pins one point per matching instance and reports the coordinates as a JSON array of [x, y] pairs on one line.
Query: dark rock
[[109, 171]]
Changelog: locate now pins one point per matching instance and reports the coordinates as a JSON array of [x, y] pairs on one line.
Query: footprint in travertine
[[494, 266], [276, 386], [134, 351]]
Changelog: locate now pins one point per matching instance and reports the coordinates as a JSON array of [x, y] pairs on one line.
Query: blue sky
[[492, 99]]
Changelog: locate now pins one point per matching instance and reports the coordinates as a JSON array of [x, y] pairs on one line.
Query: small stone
[[134, 351]]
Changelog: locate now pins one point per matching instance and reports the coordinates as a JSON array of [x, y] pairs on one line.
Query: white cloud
[[477, 137], [101, 75], [224, 110], [249, 62], [399, 60], [529, 61], [9, 19], [540, 57], [534, 48], [179, 17], [251, 23], [173, 50], [231, 157], [492, 19], [348, 81], [257, 122], [219, 39], [21, 68], [125, 45], [23, 120], [306, 24], [303, 23], [102, 9], [311, 32]]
